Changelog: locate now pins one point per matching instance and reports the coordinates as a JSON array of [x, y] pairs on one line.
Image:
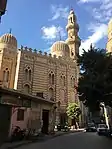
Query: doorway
[[45, 118], [63, 119], [5, 117]]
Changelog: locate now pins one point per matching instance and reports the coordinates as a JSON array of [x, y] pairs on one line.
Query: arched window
[[51, 78], [62, 96], [63, 81], [72, 54], [51, 94], [71, 20], [72, 82], [6, 75], [27, 88], [28, 74]]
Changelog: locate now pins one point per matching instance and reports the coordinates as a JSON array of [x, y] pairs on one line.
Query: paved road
[[79, 140]]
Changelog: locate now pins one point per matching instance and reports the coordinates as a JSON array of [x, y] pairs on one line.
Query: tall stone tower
[[73, 39], [8, 60], [109, 43]]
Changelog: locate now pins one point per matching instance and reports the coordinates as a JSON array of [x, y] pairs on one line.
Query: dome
[[8, 39], [60, 48]]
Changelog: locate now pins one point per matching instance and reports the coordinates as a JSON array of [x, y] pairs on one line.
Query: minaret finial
[[59, 35], [10, 31], [71, 8]]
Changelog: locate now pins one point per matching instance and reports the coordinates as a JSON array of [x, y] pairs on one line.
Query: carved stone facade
[[109, 42], [52, 76]]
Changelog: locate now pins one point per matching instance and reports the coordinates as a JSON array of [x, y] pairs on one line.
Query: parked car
[[91, 127], [102, 129], [109, 133]]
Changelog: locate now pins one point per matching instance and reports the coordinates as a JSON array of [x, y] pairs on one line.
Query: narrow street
[[80, 140]]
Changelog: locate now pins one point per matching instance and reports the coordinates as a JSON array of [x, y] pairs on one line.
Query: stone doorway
[[45, 118], [5, 118]]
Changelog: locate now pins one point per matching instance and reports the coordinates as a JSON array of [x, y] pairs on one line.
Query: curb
[[41, 139]]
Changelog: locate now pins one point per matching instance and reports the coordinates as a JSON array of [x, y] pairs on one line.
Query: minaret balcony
[[73, 40], [71, 26], [70, 40]]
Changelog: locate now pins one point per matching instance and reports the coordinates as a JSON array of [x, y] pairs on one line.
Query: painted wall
[[32, 117], [14, 122]]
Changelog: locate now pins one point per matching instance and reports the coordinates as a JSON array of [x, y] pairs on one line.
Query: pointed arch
[[63, 80], [6, 75], [27, 88], [51, 78], [72, 82], [51, 94], [71, 20], [28, 74]]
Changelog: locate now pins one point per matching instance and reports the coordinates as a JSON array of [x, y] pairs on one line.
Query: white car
[[102, 129]]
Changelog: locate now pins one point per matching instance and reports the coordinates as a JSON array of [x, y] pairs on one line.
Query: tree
[[3, 4], [95, 80], [73, 112]]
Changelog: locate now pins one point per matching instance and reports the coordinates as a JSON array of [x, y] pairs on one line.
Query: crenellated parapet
[[34, 53]]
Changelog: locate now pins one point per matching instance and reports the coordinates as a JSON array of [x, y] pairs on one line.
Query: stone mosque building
[[52, 76]]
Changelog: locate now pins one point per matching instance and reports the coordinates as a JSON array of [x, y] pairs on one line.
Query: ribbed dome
[[8, 39], [60, 48]]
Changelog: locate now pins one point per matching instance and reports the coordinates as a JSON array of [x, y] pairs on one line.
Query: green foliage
[[73, 111], [95, 81]]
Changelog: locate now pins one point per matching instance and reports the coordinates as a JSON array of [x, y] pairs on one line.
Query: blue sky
[[36, 24]]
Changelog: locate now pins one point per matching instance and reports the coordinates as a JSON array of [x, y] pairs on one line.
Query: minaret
[[109, 43], [73, 39]]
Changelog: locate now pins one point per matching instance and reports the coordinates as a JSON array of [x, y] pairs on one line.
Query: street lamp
[[3, 4]]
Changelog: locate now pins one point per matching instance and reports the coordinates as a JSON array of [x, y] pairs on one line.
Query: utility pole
[[3, 4]]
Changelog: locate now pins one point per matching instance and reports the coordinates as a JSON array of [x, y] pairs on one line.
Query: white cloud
[[99, 31], [102, 14], [53, 32], [59, 12], [87, 1]]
